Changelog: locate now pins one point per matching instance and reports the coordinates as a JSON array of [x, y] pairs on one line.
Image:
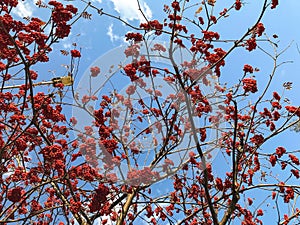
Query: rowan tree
[[172, 138]]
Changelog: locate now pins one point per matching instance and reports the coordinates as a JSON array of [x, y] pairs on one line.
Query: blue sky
[[101, 34]]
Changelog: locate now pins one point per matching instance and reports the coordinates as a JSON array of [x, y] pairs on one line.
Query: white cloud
[[113, 37], [23, 9], [129, 10], [67, 45]]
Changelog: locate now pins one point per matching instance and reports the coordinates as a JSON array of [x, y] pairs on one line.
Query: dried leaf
[[27, 18], [211, 2], [286, 100], [287, 85], [86, 15], [199, 10], [41, 4], [64, 52]]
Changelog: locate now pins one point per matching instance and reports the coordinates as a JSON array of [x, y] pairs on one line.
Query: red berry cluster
[[60, 16], [153, 25], [249, 85], [136, 37]]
